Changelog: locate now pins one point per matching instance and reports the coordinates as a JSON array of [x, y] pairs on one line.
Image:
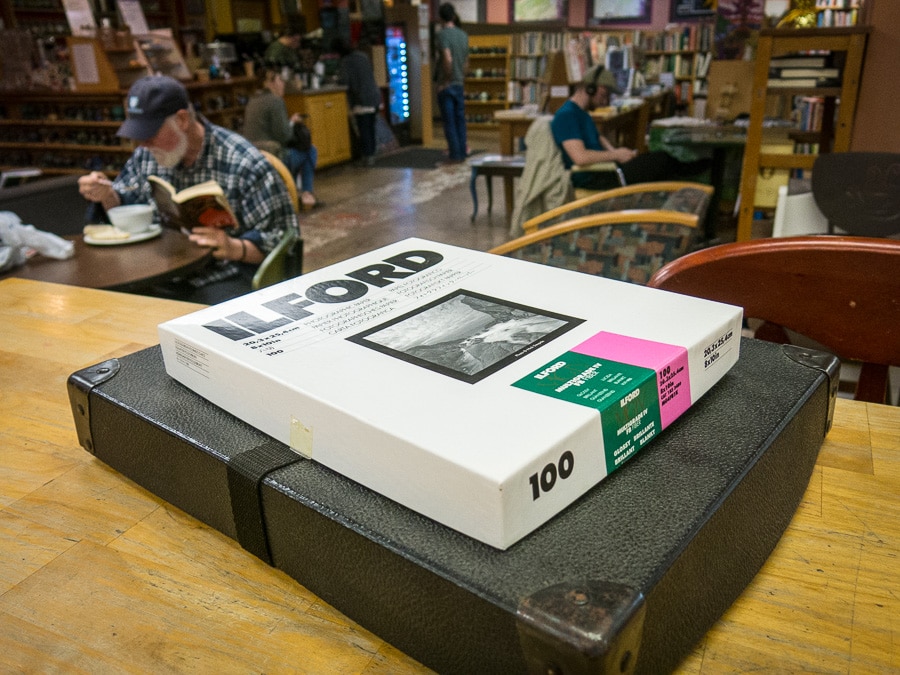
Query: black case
[[627, 578]]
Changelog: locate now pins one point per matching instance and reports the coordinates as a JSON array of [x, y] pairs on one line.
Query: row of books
[[531, 67], [832, 18], [808, 112], [538, 42], [702, 64], [806, 149], [684, 93], [693, 37], [680, 65], [838, 4], [803, 70], [525, 92]]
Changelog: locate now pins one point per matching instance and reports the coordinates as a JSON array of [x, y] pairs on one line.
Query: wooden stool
[[507, 166]]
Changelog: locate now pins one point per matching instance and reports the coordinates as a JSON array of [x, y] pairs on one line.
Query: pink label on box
[[669, 361]]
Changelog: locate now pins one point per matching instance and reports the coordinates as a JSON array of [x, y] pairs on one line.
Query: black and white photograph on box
[[466, 335]]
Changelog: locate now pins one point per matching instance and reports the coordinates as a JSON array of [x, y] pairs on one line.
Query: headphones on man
[[591, 89]]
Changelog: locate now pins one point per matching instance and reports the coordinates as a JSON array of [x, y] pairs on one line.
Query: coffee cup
[[131, 218]]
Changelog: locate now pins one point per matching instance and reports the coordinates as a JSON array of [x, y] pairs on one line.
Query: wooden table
[[720, 140], [126, 267], [98, 575], [505, 166]]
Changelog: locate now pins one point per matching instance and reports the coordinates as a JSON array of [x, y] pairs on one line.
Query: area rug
[[414, 158]]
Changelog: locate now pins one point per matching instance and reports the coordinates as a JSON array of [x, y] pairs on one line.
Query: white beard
[[169, 159]]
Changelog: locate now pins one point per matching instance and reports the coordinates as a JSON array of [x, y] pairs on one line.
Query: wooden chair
[[681, 196], [545, 183], [623, 245], [285, 261], [859, 192], [286, 176], [842, 292], [598, 167]]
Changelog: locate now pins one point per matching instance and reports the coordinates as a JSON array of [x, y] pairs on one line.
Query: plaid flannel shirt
[[253, 187]]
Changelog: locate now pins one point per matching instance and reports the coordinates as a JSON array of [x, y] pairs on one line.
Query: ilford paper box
[[484, 392]]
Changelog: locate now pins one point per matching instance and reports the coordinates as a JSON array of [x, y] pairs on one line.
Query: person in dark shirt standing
[[453, 56], [357, 75]]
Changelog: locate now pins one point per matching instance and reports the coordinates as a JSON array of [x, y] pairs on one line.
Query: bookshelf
[[837, 13], [100, 66], [47, 18], [532, 56], [507, 71], [684, 52], [486, 84], [845, 45], [74, 132]]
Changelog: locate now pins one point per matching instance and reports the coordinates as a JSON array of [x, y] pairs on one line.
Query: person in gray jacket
[[268, 127]]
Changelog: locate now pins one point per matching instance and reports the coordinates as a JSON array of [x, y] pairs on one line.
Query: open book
[[201, 205]]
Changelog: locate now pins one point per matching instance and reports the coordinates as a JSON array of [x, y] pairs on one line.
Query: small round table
[[122, 267]]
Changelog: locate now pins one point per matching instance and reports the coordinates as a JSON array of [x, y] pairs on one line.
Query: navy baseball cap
[[150, 101]]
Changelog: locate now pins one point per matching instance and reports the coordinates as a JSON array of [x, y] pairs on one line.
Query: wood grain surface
[[97, 575]]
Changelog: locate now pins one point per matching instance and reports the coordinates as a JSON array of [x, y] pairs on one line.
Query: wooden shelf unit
[[534, 55], [112, 68], [840, 102], [75, 132], [62, 132], [46, 18], [487, 79], [686, 52]]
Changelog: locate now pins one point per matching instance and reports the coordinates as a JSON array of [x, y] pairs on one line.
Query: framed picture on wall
[[540, 10], [683, 10], [624, 11], [468, 10]]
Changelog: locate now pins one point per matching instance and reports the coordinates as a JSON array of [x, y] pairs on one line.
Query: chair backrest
[[681, 196], [859, 192], [51, 204], [285, 261], [286, 176], [544, 183], [842, 292], [623, 245]]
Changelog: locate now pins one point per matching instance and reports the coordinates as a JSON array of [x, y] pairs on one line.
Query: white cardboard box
[[481, 391]]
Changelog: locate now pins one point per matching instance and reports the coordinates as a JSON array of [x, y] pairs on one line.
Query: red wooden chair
[[842, 292]]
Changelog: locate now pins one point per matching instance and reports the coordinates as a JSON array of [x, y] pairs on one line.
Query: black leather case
[[626, 579]]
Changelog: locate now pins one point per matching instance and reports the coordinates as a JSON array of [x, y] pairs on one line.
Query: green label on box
[[626, 396]]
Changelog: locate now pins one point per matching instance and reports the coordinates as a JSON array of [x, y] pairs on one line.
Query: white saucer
[[154, 231]]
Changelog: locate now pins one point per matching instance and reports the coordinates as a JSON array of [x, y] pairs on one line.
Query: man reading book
[[182, 147]]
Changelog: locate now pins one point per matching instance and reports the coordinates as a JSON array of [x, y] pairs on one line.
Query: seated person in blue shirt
[[177, 144], [576, 134]]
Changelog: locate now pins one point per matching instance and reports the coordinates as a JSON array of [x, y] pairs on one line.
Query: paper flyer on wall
[[484, 392]]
